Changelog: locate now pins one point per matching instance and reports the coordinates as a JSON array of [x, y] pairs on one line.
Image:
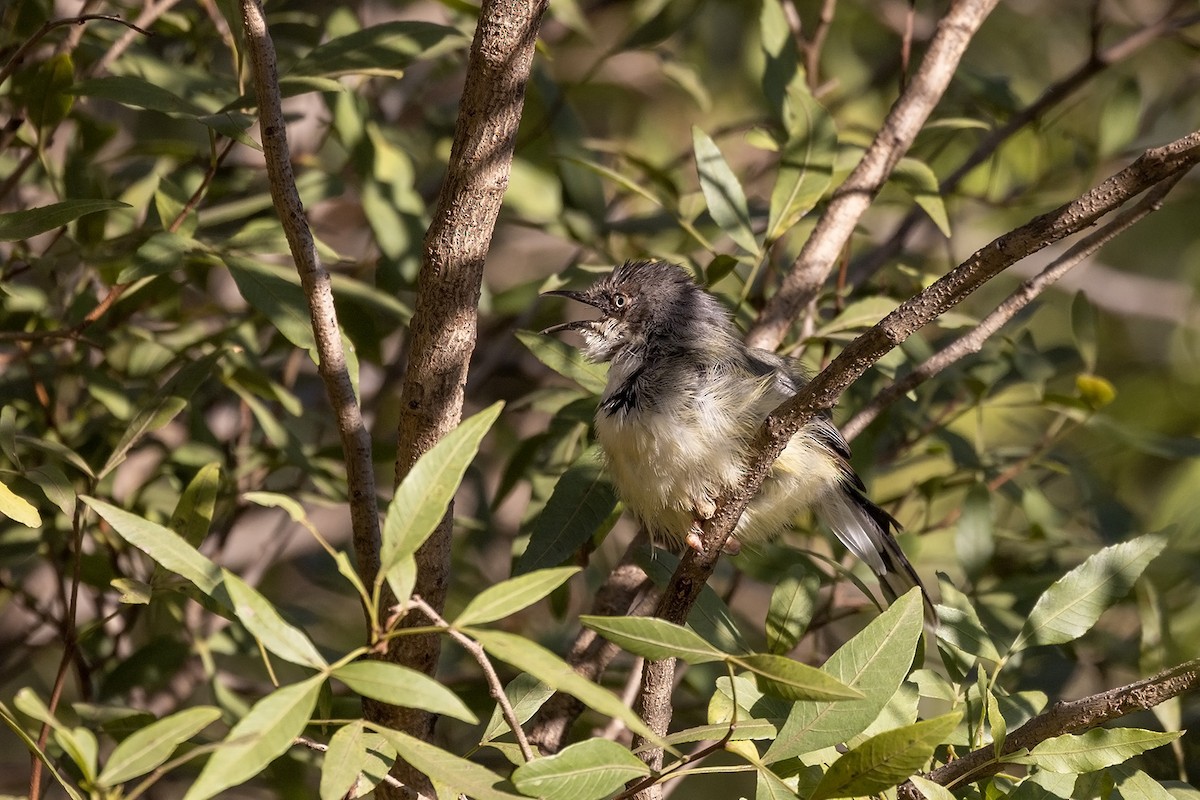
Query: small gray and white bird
[[684, 399]]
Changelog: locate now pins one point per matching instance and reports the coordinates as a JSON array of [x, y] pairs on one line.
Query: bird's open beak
[[577, 325]]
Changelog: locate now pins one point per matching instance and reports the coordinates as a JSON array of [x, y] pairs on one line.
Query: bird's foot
[[732, 546], [694, 538]]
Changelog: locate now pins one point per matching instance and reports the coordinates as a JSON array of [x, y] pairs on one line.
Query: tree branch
[[443, 327], [1069, 717], [356, 440], [851, 200], [1096, 63], [1023, 296], [821, 393]]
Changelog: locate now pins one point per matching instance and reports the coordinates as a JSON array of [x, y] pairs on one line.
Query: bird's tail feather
[[867, 531]]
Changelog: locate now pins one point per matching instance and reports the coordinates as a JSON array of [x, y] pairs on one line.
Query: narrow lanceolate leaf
[[384, 49], [162, 544], [458, 774], [722, 192], [18, 509], [400, 686], [793, 602], [805, 161], [874, 662], [277, 294], [194, 512], [917, 179], [565, 360], [587, 770], [163, 407], [525, 694], [425, 493], [1096, 749], [264, 734], [149, 747], [510, 596], [18, 225], [885, 760], [791, 680], [931, 790], [551, 670], [959, 625], [344, 760], [654, 639], [583, 499], [267, 625], [1071, 606]]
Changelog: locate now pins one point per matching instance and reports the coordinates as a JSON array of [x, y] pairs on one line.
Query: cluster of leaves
[[160, 417]]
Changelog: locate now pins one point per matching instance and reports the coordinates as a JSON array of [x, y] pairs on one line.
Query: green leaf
[[710, 617], [959, 625], [1073, 603], [54, 483], [194, 512], [163, 545], [10, 720], [266, 625], [587, 770], [805, 161], [401, 686], [133, 592], [384, 50], [931, 790], [582, 500], [973, 540], [1083, 330], [885, 760], [264, 734], [1096, 749], [917, 179], [510, 596], [456, 773], [18, 508], [791, 680], [16, 226], [722, 192], [1133, 784], [1120, 118], [530, 657], [344, 760], [874, 662], [147, 748], [565, 360], [525, 694], [858, 315], [49, 101], [793, 602], [277, 294], [164, 406], [425, 493], [653, 638], [136, 92]]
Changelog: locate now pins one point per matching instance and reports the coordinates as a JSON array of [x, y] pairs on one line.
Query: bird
[[683, 401]]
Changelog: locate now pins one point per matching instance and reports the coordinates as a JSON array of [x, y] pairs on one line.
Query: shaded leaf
[[722, 192], [446, 768], [18, 225], [793, 602], [587, 770], [959, 625], [277, 294], [525, 694], [917, 179], [385, 49], [194, 512], [805, 161], [582, 500], [565, 360], [344, 760]]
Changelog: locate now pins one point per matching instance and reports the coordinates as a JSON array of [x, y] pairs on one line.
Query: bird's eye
[[619, 301]]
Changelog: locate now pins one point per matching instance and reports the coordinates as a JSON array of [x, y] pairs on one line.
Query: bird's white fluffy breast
[[669, 463]]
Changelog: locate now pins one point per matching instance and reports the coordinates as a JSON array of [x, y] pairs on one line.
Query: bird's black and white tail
[[868, 532]]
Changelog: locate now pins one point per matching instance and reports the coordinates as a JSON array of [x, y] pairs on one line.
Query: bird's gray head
[[647, 308]]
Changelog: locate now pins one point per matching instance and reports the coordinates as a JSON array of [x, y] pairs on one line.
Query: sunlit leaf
[[266, 624], [792, 680], [723, 192], [1095, 749], [401, 686], [587, 770], [18, 509], [147, 748], [510, 596], [446, 768], [565, 360], [653, 638], [18, 225], [582, 500], [918, 180]]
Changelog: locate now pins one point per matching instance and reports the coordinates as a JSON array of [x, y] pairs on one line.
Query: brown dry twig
[[1069, 717], [41, 32]]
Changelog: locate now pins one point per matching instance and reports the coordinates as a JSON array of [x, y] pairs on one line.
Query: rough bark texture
[[444, 324]]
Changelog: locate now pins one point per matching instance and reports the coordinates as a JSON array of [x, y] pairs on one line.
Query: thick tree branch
[[851, 200], [443, 327], [1095, 64], [1023, 296], [695, 568], [1069, 717], [356, 440]]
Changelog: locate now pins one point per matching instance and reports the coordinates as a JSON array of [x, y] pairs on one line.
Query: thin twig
[[356, 440], [851, 200], [150, 14], [1069, 717], [1096, 62], [37, 36], [1023, 296]]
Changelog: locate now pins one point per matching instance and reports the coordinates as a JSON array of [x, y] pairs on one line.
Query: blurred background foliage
[[145, 345]]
